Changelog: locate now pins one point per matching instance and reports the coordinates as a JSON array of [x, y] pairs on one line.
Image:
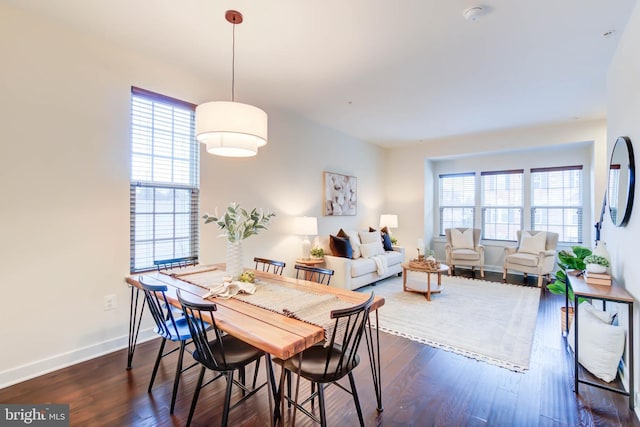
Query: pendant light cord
[[233, 65]]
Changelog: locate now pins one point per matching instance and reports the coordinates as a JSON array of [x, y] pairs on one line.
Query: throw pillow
[[354, 239], [371, 249], [533, 243], [370, 236], [386, 242], [462, 240], [601, 344], [340, 246]]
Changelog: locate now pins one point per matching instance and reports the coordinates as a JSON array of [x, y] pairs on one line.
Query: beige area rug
[[487, 321]]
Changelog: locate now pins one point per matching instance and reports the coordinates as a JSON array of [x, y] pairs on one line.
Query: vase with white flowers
[[238, 224]]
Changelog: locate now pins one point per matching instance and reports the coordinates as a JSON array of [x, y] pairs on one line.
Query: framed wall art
[[340, 194]]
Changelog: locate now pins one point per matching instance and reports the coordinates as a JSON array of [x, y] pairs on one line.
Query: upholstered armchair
[[535, 254], [463, 248]]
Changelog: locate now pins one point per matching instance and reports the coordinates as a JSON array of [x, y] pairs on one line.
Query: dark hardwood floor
[[422, 386]]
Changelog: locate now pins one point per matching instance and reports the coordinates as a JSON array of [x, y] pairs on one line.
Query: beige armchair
[[535, 254], [463, 248]]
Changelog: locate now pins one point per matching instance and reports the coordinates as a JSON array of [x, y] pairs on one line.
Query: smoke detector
[[474, 13]]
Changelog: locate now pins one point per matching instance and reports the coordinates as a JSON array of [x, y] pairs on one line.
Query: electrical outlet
[[110, 302]]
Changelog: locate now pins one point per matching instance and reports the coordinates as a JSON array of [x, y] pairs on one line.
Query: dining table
[[275, 333]]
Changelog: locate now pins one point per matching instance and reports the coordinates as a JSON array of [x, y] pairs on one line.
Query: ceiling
[[387, 72]]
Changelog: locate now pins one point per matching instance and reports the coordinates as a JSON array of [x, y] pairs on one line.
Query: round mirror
[[621, 181]]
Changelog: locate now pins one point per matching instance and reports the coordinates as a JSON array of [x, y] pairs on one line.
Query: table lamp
[[306, 226], [389, 220]]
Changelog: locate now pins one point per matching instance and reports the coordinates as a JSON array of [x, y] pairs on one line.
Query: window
[[556, 202], [164, 179], [457, 200], [502, 204]]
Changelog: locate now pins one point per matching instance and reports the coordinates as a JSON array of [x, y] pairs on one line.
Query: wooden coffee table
[[407, 267]]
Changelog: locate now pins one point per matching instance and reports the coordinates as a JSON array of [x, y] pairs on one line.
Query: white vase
[[234, 259], [601, 250]]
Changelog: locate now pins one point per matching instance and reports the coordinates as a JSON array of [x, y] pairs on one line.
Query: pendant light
[[231, 129]]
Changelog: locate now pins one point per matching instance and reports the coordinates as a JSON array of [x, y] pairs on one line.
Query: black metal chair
[[175, 262], [314, 274], [326, 365], [222, 353], [269, 265], [169, 328]]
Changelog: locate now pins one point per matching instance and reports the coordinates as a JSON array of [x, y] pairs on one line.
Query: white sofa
[[354, 273]]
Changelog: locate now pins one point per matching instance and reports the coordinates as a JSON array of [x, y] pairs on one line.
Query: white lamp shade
[[231, 128], [306, 225], [389, 221]]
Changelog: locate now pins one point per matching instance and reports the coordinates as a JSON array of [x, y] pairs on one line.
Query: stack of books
[[597, 278]]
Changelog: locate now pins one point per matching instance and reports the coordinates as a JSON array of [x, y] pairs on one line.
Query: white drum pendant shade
[[231, 129]]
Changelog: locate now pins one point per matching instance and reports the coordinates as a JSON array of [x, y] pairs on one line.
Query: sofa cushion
[[527, 260], [371, 249], [465, 254], [340, 246], [362, 266], [394, 257]]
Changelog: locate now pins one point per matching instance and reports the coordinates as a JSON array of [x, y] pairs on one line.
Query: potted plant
[[567, 261], [238, 224], [317, 252], [596, 264]]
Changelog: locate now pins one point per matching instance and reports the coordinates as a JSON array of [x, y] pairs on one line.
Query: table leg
[[374, 359], [632, 394], [134, 323], [404, 279], [439, 278], [428, 286]]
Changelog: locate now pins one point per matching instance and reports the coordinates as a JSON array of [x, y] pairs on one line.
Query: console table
[[611, 293]]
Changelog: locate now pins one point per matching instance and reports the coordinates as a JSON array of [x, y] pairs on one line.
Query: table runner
[[305, 305]]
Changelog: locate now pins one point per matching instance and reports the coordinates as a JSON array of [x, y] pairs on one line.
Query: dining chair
[[314, 274], [326, 364], [167, 264], [269, 265], [169, 328], [221, 353]]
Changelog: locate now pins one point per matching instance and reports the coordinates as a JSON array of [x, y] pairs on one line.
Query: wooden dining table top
[[274, 333]]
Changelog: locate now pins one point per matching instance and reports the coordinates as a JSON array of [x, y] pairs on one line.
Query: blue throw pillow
[[386, 242], [340, 246]]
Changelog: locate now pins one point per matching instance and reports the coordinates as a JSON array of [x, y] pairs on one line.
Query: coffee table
[[408, 267]]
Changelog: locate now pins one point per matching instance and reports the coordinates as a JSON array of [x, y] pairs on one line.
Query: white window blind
[[457, 195], [165, 176], [502, 197], [556, 202]]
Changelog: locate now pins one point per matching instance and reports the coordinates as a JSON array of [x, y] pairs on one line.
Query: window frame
[[578, 206], [518, 208], [183, 168], [463, 207]]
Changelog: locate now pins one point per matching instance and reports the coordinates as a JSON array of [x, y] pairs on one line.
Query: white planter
[[596, 268]]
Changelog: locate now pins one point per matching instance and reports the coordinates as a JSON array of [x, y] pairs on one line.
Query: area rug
[[487, 321]]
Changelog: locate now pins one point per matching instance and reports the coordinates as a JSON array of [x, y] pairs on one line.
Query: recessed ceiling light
[[608, 34]]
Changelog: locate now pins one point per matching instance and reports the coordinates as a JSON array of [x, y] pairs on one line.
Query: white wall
[[623, 105], [412, 171], [64, 222]]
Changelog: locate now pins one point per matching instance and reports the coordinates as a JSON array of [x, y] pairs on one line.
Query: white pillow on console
[[533, 243], [462, 240], [601, 344], [371, 249]]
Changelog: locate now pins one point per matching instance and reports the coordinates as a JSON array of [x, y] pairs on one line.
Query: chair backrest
[[314, 274], [160, 308], [551, 244], [203, 328], [350, 324], [476, 235], [175, 262], [269, 265]]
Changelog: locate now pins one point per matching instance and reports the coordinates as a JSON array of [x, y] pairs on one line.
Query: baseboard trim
[[44, 366]]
